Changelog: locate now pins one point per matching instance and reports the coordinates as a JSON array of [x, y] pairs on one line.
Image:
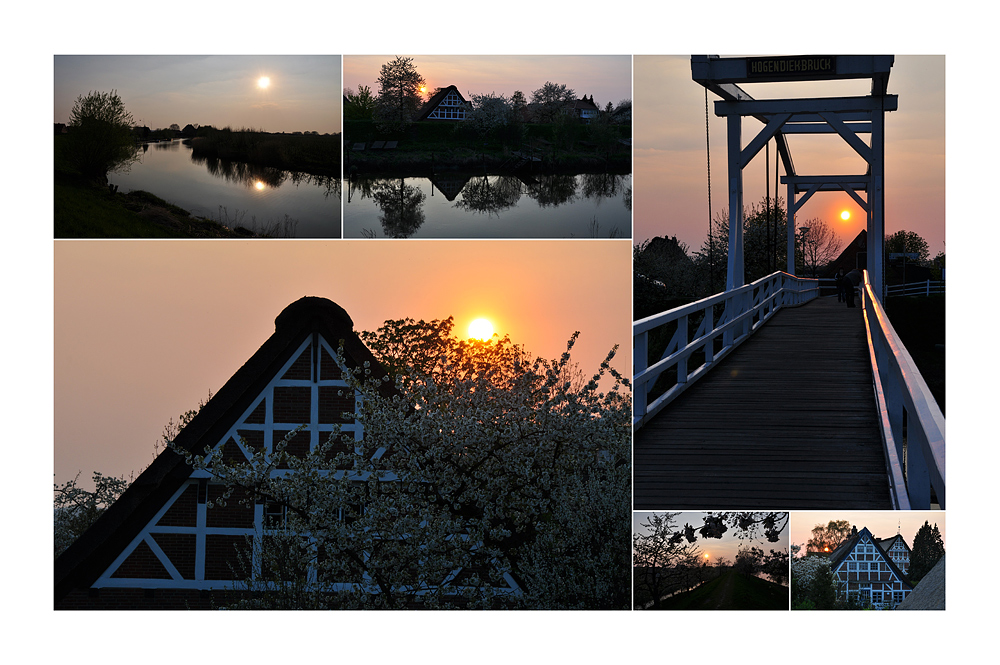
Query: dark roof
[[929, 594], [838, 555], [584, 104], [886, 543], [433, 102], [848, 258], [83, 562]]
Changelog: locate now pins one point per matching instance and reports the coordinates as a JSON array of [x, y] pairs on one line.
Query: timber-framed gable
[[160, 545], [866, 574]]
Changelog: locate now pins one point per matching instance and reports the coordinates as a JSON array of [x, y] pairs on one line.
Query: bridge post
[[734, 265], [876, 203], [791, 227], [640, 360]]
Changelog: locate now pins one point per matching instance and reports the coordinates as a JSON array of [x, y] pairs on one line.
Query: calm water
[[464, 206], [236, 193]]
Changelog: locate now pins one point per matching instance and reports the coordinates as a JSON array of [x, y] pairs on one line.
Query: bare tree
[[820, 244]]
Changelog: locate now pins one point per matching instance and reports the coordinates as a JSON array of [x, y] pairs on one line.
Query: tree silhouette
[[828, 538], [928, 548], [398, 94], [100, 139]]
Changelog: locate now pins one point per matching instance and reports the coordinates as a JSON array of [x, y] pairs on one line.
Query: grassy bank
[[305, 153], [427, 147], [87, 209]]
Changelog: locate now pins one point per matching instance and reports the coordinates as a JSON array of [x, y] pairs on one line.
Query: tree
[[75, 508], [489, 115], [813, 584], [820, 244], [518, 100], [907, 242], [827, 538], [360, 105], [661, 557], [175, 127], [398, 94], [765, 245], [475, 457], [623, 112], [101, 139], [551, 98], [928, 548]]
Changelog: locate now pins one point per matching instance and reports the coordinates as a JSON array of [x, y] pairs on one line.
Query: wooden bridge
[[794, 418]]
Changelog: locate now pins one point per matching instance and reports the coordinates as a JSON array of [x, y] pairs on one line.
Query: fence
[[708, 329], [911, 421]]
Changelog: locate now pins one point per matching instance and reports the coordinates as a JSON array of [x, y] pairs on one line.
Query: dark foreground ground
[[731, 591]]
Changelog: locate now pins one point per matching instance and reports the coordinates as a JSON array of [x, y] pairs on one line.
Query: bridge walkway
[[786, 421]]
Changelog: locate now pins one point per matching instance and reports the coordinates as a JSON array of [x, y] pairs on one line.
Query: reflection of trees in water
[[253, 175], [400, 205], [600, 186], [328, 183], [627, 198], [241, 172], [553, 190], [490, 195]]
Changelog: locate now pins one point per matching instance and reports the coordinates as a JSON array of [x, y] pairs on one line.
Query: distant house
[[865, 572], [898, 551], [585, 109], [855, 255], [446, 104]]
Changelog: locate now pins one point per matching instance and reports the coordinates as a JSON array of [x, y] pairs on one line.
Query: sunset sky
[[727, 546], [882, 524], [303, 92], [671, 187], [607, 77], [144, 330]]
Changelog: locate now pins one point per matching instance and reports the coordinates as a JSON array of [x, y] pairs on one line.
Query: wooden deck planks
[[785, 422]]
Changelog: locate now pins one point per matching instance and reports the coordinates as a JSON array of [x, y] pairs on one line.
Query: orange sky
[[728, 546], [671, 185], [145, 329], [884, 524]]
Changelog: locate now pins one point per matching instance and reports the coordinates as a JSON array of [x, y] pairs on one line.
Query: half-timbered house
[[898, 551], [160, 546], [865, 572], [446, 104]]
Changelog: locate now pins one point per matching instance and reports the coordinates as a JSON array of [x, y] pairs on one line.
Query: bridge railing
[[927, 288], [709, 330], [911, 421]]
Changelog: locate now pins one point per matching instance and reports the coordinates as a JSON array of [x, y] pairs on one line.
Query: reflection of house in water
[[449, 184], [446, 104]]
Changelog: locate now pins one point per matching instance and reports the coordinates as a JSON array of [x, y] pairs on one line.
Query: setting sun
[[263, 82], [481, 329], [258, 185], [846, 215]]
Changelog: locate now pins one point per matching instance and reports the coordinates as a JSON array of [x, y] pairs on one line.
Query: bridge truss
[[846, 117]]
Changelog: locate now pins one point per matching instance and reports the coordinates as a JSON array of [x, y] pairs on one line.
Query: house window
[[275, 515], [852, 565], [897, 596]]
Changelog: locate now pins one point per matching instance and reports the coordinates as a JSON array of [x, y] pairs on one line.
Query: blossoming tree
[[484, 479]]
